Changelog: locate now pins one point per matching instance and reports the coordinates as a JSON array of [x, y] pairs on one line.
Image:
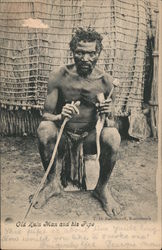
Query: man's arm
[[69, 110], [51, 101], [106, 106]]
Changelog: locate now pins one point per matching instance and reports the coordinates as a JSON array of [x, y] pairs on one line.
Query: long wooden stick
[[48, 169]]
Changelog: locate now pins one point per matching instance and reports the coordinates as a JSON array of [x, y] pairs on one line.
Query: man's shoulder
[[58, 72], [56, 76], [62, 71], [107, 78]]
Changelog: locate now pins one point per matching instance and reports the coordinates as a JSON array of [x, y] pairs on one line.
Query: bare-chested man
[[80, 83]]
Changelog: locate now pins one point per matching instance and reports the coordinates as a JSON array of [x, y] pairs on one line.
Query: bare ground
[[133, 184]]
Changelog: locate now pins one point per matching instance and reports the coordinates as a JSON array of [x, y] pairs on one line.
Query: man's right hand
[[70, 110]]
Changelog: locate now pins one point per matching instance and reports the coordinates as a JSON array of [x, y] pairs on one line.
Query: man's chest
[[81, 89]]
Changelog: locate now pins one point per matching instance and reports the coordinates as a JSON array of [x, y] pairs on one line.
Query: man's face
[[85, 57]]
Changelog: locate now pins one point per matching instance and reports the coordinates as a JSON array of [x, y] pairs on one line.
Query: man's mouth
[[85, 66]]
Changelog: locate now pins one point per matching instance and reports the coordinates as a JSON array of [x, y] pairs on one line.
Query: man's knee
[[46, 131], [110, 137]]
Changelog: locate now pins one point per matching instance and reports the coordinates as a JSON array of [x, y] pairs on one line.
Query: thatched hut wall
[[34, 39]]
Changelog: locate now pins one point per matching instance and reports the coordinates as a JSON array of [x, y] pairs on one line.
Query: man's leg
[[47, 135], [109, 142]]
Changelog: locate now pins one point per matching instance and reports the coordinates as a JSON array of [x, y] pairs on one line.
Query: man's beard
[[85, 69]]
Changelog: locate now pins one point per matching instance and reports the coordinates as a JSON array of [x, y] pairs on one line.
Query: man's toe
[[116, 211], [107, 210], [37, 204]]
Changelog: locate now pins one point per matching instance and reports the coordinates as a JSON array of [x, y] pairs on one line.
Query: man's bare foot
[[110, 206], [45, 194]]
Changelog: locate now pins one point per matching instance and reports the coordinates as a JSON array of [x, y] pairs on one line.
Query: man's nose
[[86, 57]]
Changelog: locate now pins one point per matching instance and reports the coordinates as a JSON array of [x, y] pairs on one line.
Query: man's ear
[[98, 52]]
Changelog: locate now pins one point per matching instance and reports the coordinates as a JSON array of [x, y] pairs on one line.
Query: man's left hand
[[104, 107]]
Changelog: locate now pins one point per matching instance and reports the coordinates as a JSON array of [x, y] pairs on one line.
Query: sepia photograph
[[80, 124]]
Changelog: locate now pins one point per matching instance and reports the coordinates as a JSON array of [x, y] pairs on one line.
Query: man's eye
[[92, 53], [79, 53]]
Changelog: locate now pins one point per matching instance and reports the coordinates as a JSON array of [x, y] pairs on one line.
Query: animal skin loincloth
[[73, 164]]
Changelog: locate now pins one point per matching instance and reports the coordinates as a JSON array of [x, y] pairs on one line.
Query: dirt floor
[[133, 183]]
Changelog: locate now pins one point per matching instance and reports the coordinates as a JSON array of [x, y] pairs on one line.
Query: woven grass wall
[[34, 39]]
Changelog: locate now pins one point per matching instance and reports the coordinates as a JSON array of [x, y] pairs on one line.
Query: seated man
[[72, 93]]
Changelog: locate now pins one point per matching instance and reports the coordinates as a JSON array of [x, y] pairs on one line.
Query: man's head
[[86, 46]]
